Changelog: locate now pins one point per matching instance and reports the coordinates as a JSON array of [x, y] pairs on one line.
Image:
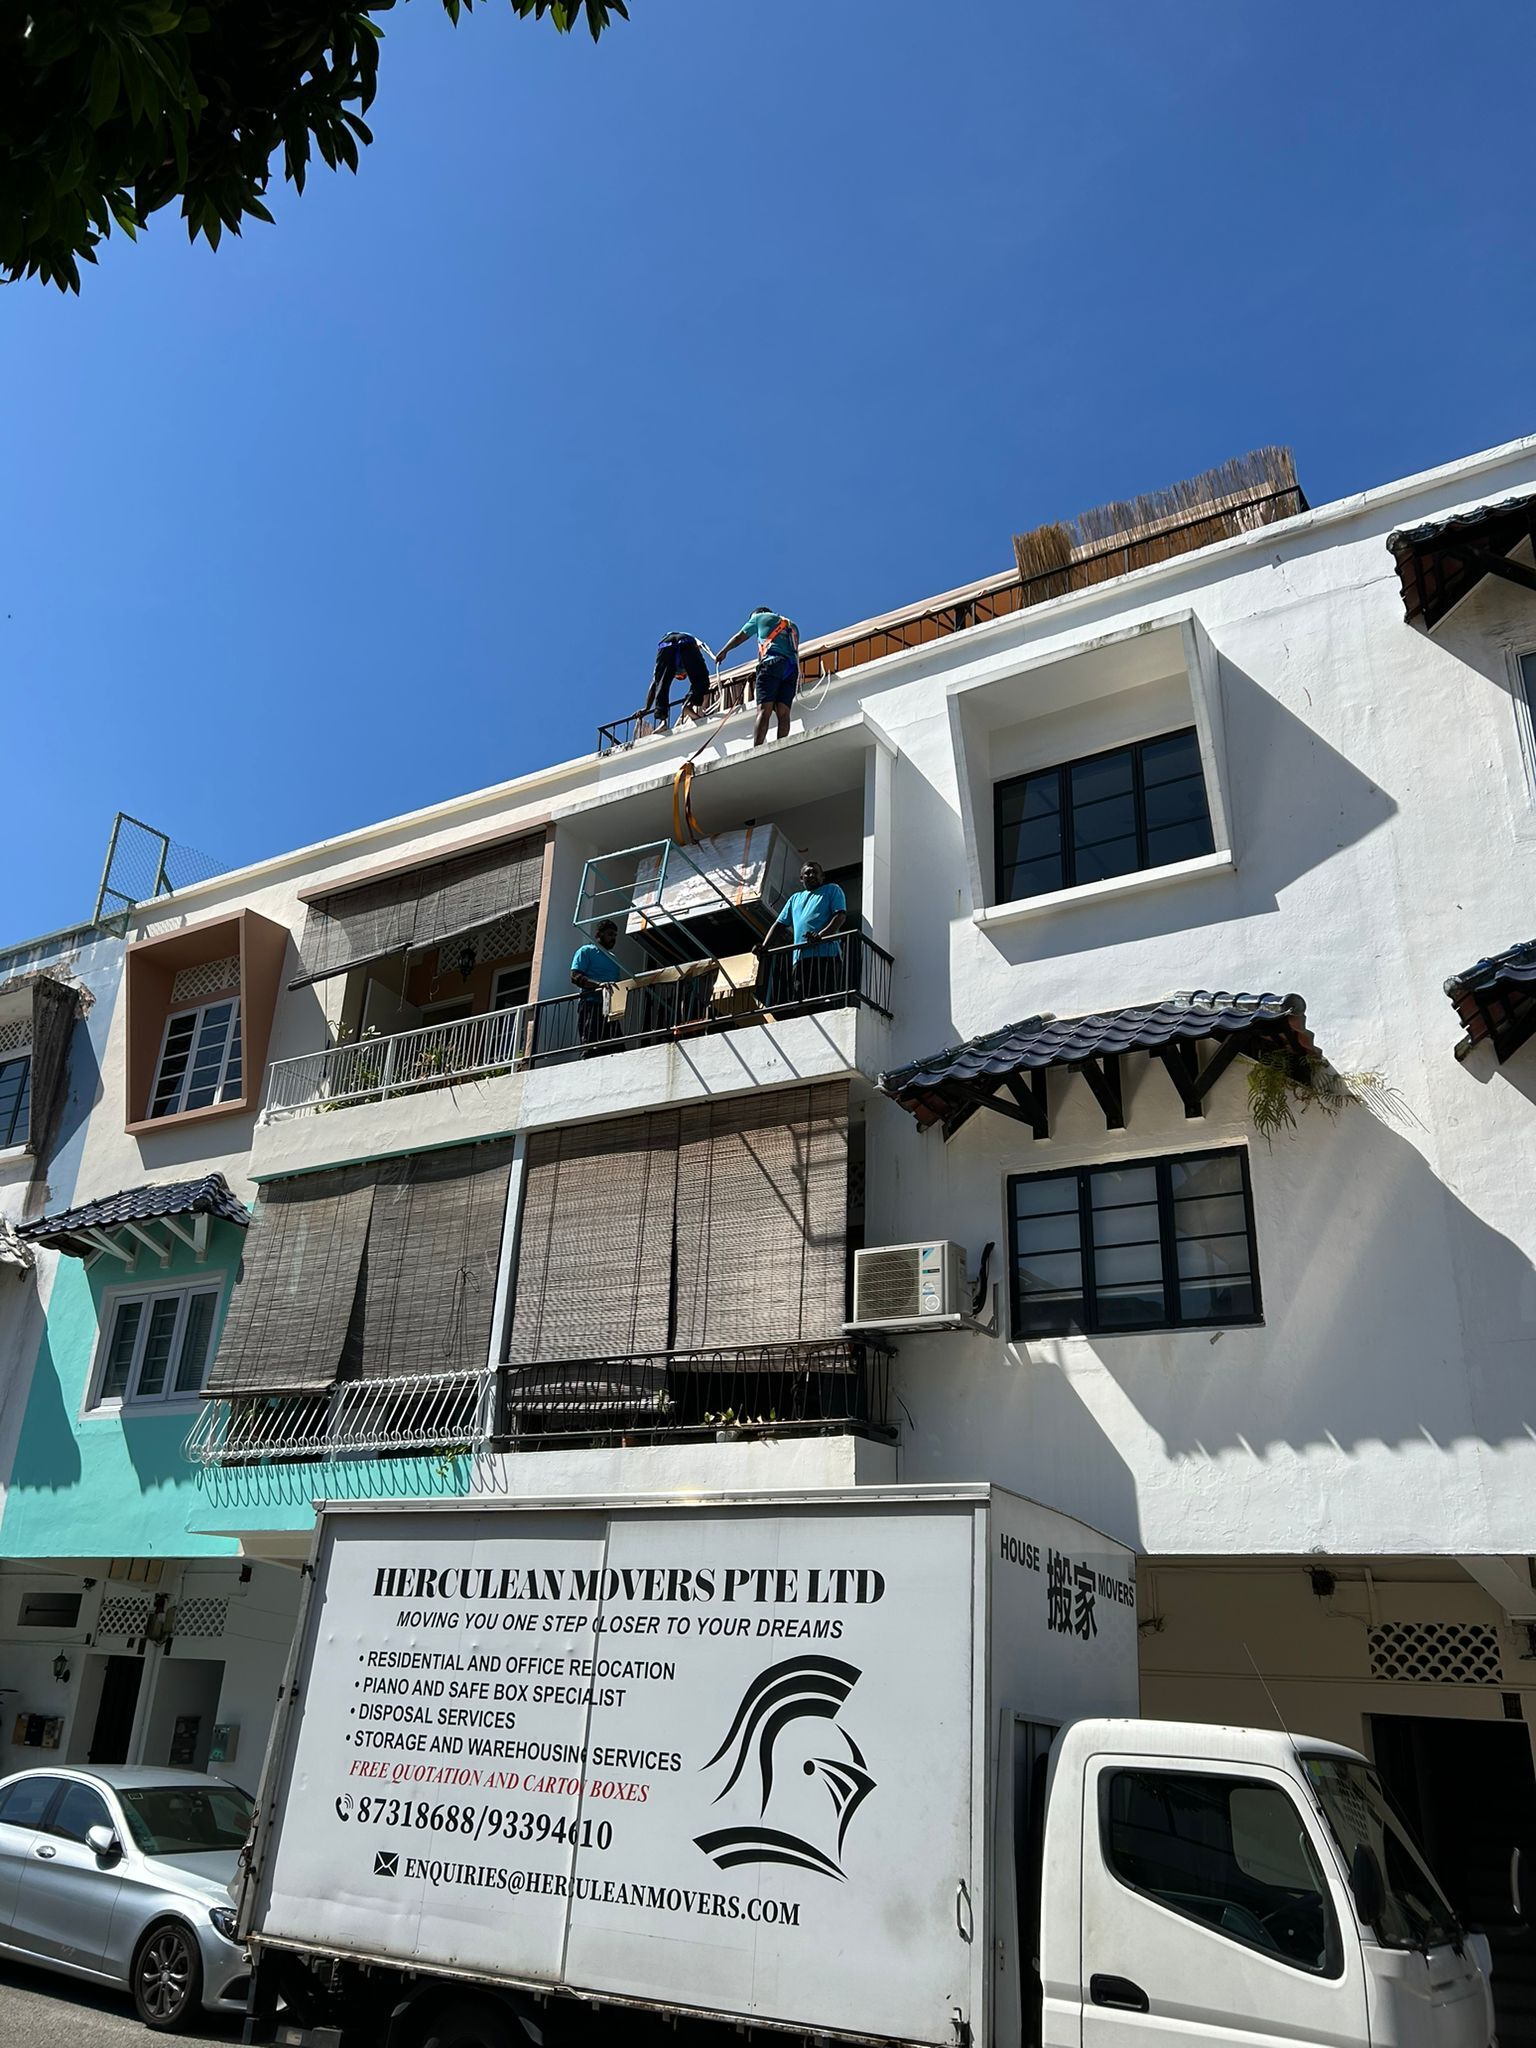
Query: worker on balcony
[[778, 667], [815, 916], [593, 970], [680, 658]]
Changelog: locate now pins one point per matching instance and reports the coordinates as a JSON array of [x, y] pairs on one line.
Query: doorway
[[178, 1728], [112, 1729], [1468, 1791]]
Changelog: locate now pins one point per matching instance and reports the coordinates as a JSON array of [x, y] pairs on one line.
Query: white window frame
[[197, 1013], [513, 967], [1523, 690], [170, 1398]]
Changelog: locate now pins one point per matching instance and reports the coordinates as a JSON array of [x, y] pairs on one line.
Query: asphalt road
[[41, 2010]]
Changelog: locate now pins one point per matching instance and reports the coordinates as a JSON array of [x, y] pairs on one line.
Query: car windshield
[[184, 1820], [1414, 1912]]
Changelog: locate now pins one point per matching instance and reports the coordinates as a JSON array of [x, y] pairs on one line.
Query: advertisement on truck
[[723, 1760]]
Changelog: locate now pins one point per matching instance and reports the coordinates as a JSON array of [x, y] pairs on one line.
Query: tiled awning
[[1005, 1070], [122, 1225], [1496, 1000], [1437, 564]]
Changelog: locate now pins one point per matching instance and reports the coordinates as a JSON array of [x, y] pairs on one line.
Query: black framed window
[[1156, 1244], [15, 1094], [1142, 806]]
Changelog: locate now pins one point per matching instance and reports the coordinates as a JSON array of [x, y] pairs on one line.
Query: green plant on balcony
[[1282, 1085]]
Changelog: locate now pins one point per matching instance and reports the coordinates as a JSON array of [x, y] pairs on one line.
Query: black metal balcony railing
[[835, 1385], [858, 973]]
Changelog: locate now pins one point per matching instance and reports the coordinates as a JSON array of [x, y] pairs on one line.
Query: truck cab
[[1233, 1887]]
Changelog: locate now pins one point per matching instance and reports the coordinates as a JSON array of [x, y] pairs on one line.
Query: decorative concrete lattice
[[506, 939], [1437, 1652], [15, 1036], [121, 1616], [201, 1617], [210, 979]]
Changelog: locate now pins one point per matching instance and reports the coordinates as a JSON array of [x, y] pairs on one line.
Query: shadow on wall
[[1063, 1457], [1394, 1315], [1296, 803], [47, 1454]]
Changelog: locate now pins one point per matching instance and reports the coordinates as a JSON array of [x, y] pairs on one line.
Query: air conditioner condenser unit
[[905, 1286]]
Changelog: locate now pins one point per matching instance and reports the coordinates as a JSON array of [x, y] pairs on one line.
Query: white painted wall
[[1383, 821]]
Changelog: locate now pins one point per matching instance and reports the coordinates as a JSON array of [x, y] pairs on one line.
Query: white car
[[121, 1874]]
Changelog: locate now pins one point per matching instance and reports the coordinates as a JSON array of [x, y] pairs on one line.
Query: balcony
[[836, 1386], [688, 1000], [695, 997], [374, 1069]]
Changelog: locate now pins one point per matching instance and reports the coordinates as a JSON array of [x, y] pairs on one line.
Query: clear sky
[[808, 301]]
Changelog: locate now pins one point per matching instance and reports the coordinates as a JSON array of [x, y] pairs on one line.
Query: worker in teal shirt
[[815, 915], [592, 969], [778, 667]]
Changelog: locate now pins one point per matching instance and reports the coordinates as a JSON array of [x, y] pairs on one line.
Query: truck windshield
[[1414, 1911], [186, 1820]]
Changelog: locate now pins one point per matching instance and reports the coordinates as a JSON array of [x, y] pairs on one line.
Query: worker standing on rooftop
[[778, 667], [679, 659]]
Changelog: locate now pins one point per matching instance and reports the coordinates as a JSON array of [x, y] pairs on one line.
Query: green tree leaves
[[111, 109]]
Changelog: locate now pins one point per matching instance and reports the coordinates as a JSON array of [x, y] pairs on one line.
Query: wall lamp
[[61, 1668]]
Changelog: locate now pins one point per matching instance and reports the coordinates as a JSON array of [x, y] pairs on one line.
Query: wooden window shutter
[[594, 1272], [762, 1218], [291, 1307], [429, 1277], [421, 907]]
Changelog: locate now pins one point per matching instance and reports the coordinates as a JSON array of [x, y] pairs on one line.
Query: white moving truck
[[858, 1765]]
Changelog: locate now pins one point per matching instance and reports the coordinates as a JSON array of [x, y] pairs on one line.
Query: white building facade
[[499, 1245]]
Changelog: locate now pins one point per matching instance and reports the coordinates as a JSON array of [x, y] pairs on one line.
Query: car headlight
[[224, 1919]]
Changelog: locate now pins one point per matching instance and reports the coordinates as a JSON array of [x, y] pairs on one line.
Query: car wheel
[[168, 1978], [472, 2023]]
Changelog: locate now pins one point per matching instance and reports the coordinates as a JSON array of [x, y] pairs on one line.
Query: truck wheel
[[168, 1978], [472, 2023]]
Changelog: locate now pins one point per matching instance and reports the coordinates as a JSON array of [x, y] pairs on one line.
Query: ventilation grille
[[201, 1617], [1437, 1652], [121, 1616], [210, 979], [16, 1036], [886, 1285], [504, 940]]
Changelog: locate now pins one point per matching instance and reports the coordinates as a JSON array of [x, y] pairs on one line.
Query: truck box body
[[743, 1756]]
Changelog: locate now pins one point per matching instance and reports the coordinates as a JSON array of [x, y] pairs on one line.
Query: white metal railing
[[452, 1411], [370, 1069]]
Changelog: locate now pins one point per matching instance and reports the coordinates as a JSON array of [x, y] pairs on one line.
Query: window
[[187, 1820], [78, 1811], [157, 1345], [511, 987], [199, 1059], [49, 1610], [1112, 814], [1156, 1244], [1232, 1853], [15, 1099], [1414, 1913], [24, 1802]]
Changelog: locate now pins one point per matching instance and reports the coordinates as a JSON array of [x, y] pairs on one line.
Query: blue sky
[[787, 300]]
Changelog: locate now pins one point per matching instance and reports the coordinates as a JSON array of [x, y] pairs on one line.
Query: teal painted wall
[[120, 1484], [110, 1485]]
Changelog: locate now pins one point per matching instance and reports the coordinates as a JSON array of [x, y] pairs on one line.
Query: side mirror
[[1365, 1884], [103, 1840]]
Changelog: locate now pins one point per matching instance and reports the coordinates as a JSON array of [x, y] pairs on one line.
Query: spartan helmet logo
[[774, 1727]]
